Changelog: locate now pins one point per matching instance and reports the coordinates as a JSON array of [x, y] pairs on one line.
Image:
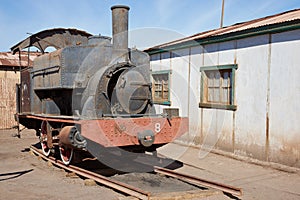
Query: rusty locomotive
[[92, 92]]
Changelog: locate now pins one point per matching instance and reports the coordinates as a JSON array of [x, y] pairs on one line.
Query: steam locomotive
[[93, 93]]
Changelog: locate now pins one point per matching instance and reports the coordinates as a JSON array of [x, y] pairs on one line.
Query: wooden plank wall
[[8, 81]]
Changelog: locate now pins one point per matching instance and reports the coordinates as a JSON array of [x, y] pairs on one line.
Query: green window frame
[[161, 87], [218, 87]]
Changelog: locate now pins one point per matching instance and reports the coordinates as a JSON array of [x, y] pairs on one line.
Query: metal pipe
[[222, 14], [120, 31]]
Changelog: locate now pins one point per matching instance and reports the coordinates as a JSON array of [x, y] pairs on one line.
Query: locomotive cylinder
[[69, 136], [120, 32]]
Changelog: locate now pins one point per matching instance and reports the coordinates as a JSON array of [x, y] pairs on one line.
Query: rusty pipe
[[120, 32]]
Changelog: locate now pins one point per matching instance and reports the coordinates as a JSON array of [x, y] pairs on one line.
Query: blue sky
[[169, 19]]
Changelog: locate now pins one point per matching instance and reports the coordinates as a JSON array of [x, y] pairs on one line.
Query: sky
[[151, 22]]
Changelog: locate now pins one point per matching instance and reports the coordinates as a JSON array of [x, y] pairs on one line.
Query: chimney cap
[[119, 6]]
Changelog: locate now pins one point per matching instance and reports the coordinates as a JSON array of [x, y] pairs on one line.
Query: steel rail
[[136, 192], [122, 187], [198, 181]]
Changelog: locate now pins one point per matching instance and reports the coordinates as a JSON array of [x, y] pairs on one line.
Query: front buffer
[[125, 132], [120, 143]]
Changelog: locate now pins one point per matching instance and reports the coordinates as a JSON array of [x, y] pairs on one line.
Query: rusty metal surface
[[132, 91], [64, 67], [25, 91], [64, 136], [120, 32], [58, 119], [57, 38], [69, 136], [14, 60], [124, 131]]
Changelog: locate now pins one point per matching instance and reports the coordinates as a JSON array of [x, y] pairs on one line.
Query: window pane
[[161, 87], [216, 95], [165, 96], [225, 96], [159, 94], [217, 79], [210, 79], [225, 79], [210, 94], [157, 87]]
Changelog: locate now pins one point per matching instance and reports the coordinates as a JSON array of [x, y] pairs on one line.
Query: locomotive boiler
[[93, 93]]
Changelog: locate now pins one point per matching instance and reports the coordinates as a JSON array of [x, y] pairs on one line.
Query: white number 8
[[157, 127]]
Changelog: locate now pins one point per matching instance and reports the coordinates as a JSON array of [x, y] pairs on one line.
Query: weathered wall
[[8, 81], [266, 124], [284, 107], [251, 95]]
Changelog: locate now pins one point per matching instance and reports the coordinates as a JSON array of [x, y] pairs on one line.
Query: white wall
[[284, 115], [267, 91], [251, 96], [196, 60], [180, 81]]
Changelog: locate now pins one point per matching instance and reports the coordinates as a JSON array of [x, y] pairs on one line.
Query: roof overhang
[[57, 38], [217, 36]]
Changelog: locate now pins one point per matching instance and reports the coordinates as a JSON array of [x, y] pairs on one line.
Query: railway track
[[140, 193]]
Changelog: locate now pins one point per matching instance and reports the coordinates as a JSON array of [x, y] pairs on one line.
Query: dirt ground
[[257, 182], [23, 176]]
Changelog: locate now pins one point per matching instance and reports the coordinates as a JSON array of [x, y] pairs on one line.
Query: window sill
[[165, 103], [218, 106]]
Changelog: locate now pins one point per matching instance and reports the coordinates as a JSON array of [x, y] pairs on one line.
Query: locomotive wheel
[[43, 138], [66, 154]]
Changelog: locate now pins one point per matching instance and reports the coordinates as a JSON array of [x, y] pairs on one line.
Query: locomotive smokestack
[[120, 31]]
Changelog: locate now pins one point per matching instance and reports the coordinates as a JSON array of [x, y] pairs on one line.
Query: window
[[217, 87], [160, 87]]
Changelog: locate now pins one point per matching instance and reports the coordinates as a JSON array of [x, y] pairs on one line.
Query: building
[[10, 67], [239, 86]]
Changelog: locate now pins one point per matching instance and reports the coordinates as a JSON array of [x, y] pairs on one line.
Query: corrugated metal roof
[[261, 22], [9, 60]]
